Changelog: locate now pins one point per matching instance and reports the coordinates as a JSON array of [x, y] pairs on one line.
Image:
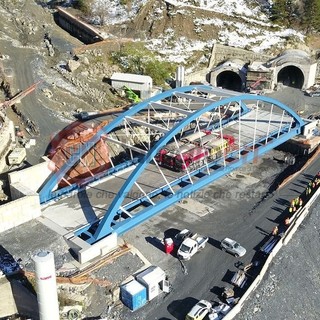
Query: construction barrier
[[296, 220]]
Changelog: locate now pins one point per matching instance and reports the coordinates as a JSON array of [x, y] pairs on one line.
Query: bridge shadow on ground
[[86, 206]]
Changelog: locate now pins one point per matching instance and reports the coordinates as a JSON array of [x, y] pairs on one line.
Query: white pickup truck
[[191, 245]]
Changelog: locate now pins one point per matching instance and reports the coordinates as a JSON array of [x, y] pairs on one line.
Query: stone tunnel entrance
[[229, 80], [291, 76]]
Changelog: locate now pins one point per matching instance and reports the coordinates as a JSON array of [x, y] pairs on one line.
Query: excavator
[[130, 95], [18, 97], [133, 97]]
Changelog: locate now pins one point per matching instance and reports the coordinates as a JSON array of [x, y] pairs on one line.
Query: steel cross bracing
[[206, 132]]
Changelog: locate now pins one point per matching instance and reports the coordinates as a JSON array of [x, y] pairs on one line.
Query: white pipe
[[46, 285]]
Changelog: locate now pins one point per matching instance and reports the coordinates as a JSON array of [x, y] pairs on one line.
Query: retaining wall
[[80, 29], [29, 179], [221, 53], [25, 205], [19, 211]]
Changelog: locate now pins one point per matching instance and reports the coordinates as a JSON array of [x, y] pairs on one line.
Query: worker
[[290, 209], [287, 221], [308, 190], [300, 202], [275, 231]]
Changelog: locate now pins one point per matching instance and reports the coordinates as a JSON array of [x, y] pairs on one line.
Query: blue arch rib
[[104, 227]]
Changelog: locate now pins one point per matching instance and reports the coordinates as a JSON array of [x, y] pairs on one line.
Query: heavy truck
[[186, 156], [193, 151]]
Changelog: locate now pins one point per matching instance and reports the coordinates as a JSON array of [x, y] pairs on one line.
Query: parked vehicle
[[190, 246], [233, 247], [314, 94], [183, 234], [199, 310]]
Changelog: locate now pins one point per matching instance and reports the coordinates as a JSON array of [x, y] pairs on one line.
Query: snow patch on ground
[[251, 34]]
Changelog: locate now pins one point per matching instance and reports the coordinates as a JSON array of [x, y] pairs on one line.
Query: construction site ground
[[52, 106]]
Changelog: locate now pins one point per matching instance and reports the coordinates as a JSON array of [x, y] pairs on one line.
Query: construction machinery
[[253, 88], [17, 98], [87, 115], [132, 96]]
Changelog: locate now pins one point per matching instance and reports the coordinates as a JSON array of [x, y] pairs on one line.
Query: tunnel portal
[[229, 80], [291, 76]]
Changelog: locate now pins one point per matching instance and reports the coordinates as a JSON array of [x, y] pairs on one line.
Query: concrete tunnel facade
[[291, 76], [292, 68], [229, 75]]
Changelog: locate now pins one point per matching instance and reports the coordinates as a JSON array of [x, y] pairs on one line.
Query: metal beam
[[46, 192], [146, 124], [160, 106], [193, 97], [127, 145], [223, 93]]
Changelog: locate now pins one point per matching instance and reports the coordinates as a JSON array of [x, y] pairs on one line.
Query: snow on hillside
[[253, 33]]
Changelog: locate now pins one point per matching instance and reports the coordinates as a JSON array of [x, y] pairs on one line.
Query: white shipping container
[[17, 156], [154, 279]]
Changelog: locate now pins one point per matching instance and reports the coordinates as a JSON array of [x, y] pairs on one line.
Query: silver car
[[233, 247]]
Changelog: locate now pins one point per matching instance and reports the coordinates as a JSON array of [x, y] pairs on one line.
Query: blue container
[[133, 295]]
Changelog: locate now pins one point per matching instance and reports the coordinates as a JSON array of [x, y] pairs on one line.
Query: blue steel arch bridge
[[172, 145]]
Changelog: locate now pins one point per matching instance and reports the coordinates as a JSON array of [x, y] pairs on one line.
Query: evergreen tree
[[283, 12], [279, 11], [311, 15]]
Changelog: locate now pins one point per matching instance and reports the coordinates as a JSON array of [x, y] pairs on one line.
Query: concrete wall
[[25, 205], [7, 136], [312, 76], [19, 211], [221, 53], [80, 29], [198, 76], [86, 252], [29, 179]]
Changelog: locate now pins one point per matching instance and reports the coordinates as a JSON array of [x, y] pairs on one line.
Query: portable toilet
[[154, 279], [133, 295]]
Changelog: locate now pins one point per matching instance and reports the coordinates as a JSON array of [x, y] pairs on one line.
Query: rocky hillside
[[177, 29]]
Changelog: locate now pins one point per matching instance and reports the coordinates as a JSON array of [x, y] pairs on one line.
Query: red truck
[[182, 158], [192, 153]]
